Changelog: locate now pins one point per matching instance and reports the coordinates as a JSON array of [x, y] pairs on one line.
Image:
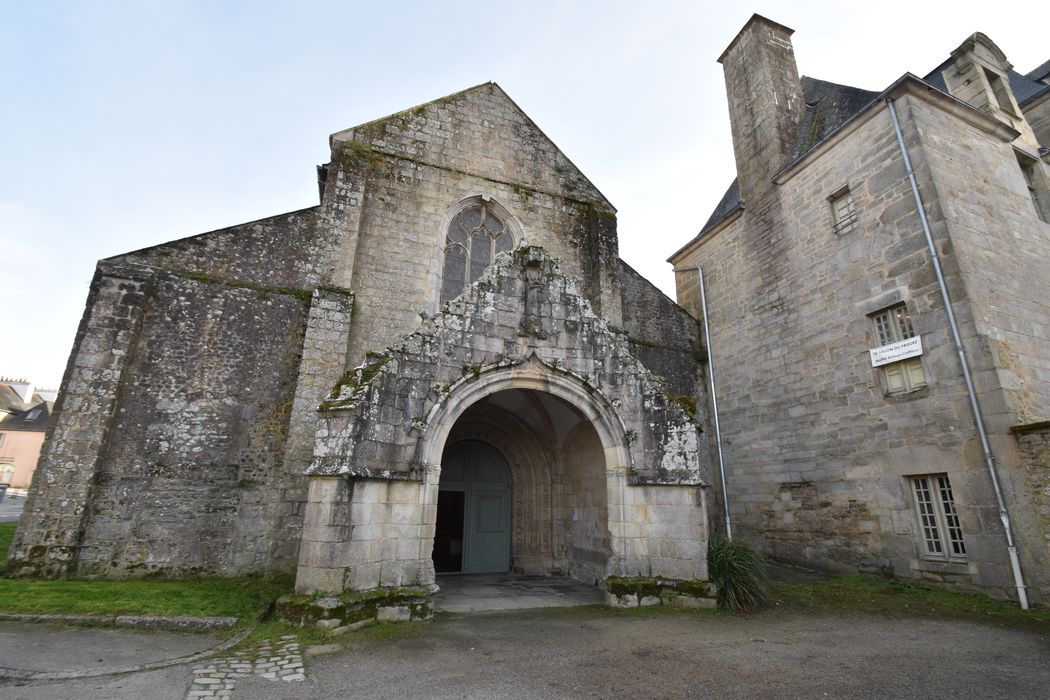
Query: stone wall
[[196, 449], [1033, 443], [47, 542], [418, 165], [663, 336], [1037, 114]]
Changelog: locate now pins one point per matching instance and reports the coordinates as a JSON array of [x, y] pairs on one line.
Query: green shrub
[[739, 572]]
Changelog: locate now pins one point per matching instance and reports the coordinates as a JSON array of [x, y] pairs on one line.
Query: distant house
[[24, 414]]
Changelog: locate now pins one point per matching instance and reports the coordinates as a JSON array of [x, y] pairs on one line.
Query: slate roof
[[1039, 74], [830, 105], [10, 401], [20, 420]]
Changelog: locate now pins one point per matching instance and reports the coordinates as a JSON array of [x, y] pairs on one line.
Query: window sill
[[909, 395], [940, 566]]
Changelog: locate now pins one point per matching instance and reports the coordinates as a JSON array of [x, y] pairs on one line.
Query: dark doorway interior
[[448, 532]]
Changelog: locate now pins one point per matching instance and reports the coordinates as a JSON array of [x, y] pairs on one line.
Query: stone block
[[394, 613]]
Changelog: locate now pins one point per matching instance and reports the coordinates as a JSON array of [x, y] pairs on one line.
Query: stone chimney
[[765, 102]]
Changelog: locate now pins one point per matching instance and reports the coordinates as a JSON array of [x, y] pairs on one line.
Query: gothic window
[[474, 238]]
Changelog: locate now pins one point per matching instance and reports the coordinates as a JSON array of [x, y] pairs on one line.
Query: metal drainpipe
[[975, 407], [714, 401]]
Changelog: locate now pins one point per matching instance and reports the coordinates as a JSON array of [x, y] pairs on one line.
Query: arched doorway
[[472, 531], [556, 511]]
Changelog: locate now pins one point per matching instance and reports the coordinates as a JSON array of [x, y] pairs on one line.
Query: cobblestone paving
[[216, 678]]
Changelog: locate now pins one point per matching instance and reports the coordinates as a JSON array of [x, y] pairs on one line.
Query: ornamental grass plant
[[740, 574]]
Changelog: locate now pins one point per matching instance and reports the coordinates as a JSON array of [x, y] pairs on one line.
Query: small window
[[939, 527], [474, 238], [892, 326], [2, 438], [1035, 181], [32, 415], [843, 215]]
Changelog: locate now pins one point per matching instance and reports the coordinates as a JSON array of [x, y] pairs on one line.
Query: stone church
[[444, 366]]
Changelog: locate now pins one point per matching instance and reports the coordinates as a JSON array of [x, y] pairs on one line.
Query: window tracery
[[474, 238]]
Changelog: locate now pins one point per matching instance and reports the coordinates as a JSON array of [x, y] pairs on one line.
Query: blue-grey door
[[480, 472]]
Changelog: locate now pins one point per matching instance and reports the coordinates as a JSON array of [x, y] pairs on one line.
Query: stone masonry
[[212, 373], [521, 325], [820, 451]]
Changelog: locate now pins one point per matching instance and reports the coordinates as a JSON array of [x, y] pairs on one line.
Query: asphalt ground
[[595, 652]]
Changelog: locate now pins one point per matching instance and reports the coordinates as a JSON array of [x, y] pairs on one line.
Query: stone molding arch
[[517, 229], [531, 375]]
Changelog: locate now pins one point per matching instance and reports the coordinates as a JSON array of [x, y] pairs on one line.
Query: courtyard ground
[[595, 652]]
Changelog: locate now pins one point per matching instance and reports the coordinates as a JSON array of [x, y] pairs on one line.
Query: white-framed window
[[843, 213], [474, 238], [890, 326], [939, 528]]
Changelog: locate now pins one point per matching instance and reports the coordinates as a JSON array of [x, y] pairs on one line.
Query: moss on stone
[[300, 294], [665, 589], [354, 379], [688, 404]]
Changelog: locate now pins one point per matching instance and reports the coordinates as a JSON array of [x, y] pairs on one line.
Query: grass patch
[[243, 598], [7, 533], [893, 596], [275, 629]]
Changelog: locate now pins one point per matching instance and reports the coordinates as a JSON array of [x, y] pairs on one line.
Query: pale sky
[[127, 124]]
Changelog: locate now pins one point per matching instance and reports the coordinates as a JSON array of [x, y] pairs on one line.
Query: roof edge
[[350, 133], [708, 233], [755, 19], [907, 84]]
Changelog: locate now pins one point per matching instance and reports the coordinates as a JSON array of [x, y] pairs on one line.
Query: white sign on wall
[[894, 352]]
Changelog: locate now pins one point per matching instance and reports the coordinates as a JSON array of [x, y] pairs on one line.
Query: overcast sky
[[127, 124]]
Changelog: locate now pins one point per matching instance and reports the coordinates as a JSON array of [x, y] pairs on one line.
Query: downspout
[[975, 407], [714, 401]]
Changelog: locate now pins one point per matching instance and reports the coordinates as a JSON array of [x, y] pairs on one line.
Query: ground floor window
[[941, 533]]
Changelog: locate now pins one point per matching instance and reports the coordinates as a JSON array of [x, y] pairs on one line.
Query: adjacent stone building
[[848, 433], [444, 365]]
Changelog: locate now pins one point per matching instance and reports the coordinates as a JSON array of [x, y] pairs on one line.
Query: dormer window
[[474, 238], [1000, 91]]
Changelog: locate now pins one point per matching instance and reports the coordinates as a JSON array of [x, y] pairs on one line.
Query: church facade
[[444, 366]]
